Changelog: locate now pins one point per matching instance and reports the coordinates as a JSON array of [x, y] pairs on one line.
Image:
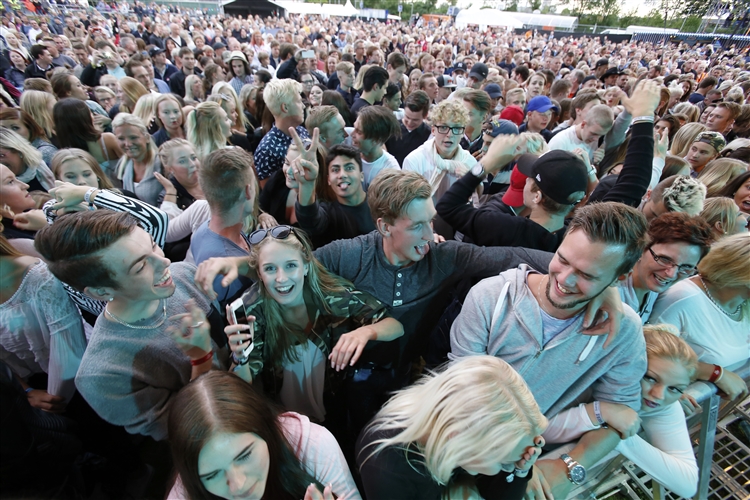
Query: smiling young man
[[373, 127], [348, 216], [706, 147], [132, 367], [414, 130], [533, 321], [677, 243]]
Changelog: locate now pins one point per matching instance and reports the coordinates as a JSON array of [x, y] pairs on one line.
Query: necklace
[[145, 327], [710, 297]]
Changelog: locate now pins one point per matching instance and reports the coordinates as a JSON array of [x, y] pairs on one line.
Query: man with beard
[[533, 321]]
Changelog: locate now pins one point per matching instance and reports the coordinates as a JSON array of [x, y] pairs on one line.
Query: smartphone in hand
[[237, 316]]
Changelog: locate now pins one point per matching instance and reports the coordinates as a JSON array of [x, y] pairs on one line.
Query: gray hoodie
[[501, 317]]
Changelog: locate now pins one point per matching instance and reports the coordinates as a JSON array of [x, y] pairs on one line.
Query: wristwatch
[[478, 171], [576, 471]]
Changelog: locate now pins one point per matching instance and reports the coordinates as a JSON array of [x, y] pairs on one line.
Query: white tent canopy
[[325, 9], [528, 19], [486, 17]]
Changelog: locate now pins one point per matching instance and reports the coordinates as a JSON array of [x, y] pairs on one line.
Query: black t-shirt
[[408, 142], [398, 472], [358, 104]]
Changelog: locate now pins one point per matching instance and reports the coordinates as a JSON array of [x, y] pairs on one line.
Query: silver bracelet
[[646, 118]]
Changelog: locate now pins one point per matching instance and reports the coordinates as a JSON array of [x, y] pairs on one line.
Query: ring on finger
[[197, 324]]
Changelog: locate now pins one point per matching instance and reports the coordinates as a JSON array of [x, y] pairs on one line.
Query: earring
[[111, 299]]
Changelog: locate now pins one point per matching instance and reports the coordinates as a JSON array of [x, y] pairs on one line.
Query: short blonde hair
[[478, 408], [663, 341], [280, 91], [449, 112], [726, 262], [685, 194], [685, 137], [721, 210], [533, 143]]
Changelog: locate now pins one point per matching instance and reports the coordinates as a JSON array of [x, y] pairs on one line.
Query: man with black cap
[[495, 93], [609, 78], [458, 72], [556, 182], [446, 85], [601, 67], [163, 70], [219, 49], [477, 75]]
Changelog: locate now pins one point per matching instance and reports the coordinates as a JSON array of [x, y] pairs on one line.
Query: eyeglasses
[[664, 261], [443, 129], [277, 233]]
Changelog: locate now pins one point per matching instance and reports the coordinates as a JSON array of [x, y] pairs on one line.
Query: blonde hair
[[690, 110], [533, 143], [345, 67], [68, 154], [126, 119], [513, 92], [359, 82], [11, 140], [280, 91], [164, 98], [203, 129], [37, 104], [478, 408], [104, 90], [133, 90], [685, 194], [721, 210], [726, 262], [685, 137], [449, 112], [145, 108], [189, 82], [166, 150], [717, 173], [663, 341], [225, 89]]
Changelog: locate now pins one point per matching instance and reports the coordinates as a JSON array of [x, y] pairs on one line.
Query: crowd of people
[[341, 258]]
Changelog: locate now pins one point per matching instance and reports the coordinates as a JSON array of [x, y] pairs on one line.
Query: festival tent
[[486, 17]]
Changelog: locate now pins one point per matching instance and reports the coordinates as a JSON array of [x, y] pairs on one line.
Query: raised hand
[[208, 270], [501, 152], [644, 99], [310, 154], [661, 144], [192, 332]]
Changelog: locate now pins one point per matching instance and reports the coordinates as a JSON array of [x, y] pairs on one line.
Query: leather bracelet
[[716, 375], [200, 361], [598, 413]]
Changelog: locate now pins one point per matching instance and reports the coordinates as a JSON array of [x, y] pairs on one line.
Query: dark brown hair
[[614, 224], [221, 402], [675, 227], [70, 244], [73, 124], [379, 123], [418, 101]]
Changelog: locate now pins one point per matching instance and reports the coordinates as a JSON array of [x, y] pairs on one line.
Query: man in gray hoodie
[[534, 322]]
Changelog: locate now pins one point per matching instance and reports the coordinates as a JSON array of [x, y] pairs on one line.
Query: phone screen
[[237, 316]]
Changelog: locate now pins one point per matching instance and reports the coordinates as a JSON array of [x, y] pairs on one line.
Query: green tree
[[535, 4]]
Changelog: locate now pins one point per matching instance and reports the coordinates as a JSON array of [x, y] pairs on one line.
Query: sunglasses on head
[[277, 233]]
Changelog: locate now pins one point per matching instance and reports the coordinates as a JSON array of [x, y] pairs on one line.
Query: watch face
[[578, 474]]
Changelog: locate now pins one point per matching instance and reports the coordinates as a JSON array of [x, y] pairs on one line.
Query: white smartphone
[[236, 317]]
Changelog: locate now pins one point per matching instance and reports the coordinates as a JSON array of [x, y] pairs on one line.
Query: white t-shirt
[[371, 170], [568, 140], [714, 337]]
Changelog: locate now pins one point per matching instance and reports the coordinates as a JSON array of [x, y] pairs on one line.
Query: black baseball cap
[[559, 174], [218, 46], [479, 71], [459, 66], [601, 62], [155, 51]]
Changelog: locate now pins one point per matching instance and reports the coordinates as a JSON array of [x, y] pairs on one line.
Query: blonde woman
[[169, 117], [25, 161], [194, 93], [665, 451], [685, 137], [128, 93], [724, 216], [39, 105], [719, 172], [180, 179], [692, 111], [712, 312], [475, 417], [145, 109], [78, 167], [239, 121], [208, 128], [135, 170], [535, 86]]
